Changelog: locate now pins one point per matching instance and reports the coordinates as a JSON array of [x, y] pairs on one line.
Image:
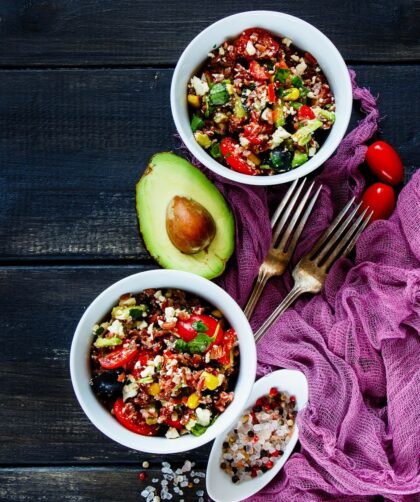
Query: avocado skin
[[167, 175]]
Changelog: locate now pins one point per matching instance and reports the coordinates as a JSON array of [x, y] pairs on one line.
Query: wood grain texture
[[42, 422], [82, 484], [73, 143], [136, 32]]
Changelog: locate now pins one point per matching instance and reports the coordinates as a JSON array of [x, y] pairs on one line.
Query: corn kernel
[[291, 94], [253, 158], [211, 381], [154, 389], [193, 400], [194, 100]]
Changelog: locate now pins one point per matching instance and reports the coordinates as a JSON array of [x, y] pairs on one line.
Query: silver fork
[[281, 250], [311, 271]]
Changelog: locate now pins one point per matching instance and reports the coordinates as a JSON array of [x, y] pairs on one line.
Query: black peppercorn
[[225, 445], [251, 434], [223, 466], [235, 479]]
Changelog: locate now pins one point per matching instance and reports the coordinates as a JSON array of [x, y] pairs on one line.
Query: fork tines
[[341, 236], [292, 212]]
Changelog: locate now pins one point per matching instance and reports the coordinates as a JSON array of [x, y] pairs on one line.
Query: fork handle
[[293, 294], [256, 293]]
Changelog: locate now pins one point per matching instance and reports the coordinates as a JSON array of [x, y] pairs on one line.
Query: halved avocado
[[168, 176]]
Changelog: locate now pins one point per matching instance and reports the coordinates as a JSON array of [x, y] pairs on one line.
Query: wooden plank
[[136, 32], [42, 422], [77, 484], [73, 143]]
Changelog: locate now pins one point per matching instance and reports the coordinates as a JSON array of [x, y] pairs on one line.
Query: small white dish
[[304, 36], [101, 306], [219, 484]]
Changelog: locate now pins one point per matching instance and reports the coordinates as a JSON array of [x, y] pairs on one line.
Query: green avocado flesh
[[166, 176]]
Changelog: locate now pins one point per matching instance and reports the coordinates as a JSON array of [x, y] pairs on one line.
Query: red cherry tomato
[[310, 59], [188, 332], [305, 113], [258, 71], [271, 47], [122, 356], [271, 93], [174, 423], [381, 199], [128, 417], [385, 162], [235, 160]]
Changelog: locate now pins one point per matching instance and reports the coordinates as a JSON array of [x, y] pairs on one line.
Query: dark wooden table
[[84, 102]]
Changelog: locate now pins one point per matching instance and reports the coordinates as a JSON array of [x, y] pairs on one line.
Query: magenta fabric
[[357, 341]]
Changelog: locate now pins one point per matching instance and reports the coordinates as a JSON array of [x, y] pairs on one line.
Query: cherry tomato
[[174, 423], [381, 199], [188, 332], [119, 357], [305, 113], [282, 64], [271, 47], [239, 164], [271, 93], [128, 417], [258, 71], [385, 162], [235, 160], [227, 344]]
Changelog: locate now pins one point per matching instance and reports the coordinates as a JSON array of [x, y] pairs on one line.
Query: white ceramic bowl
[[219, 484], [305, 37], [102, 305]]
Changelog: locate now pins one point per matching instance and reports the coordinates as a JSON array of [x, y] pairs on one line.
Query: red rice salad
[[164, 363], [259, 105]]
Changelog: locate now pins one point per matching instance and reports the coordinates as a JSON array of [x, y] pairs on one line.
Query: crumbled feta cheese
[[294, 57], [311, 95], [128, 302], [203, 416], [116, 328], [150, 329], [130, 389], [141, 325], [157, 360], [190, 424], [243, 141], [220, 117], [160, 322], [311, 151], [266, 115], [250, 49], [279, 135], [148, 371], [221, 51], [169, 314], [286, 41], [301, 67], [221, 378], [159, 292], [172, 433], [200, 86], [210, 55]]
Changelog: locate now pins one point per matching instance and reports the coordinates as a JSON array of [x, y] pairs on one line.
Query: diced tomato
[[227, 146], [271, 93], [188, 332], [142, 358], [239, 164], [122, 356], [283, 65], [264, 39], [174, 423], [305, 113], [228, 343], [258, 71], [129, 418]]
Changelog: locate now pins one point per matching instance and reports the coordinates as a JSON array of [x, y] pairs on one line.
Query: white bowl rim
[[340, 126], [104, 421]]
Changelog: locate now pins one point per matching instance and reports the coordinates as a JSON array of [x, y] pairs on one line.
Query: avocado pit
[[190, 227]]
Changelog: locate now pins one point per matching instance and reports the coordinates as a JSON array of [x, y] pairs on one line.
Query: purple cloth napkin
[[357, 341]]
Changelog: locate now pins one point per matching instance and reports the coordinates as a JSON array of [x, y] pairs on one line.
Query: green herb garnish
[[297, 81], [200, 327], [281, 74], [215, 151], [137, 312], [196, 122]]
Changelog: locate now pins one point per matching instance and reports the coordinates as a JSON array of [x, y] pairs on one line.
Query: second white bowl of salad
[[163, 361], [261, 97]]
